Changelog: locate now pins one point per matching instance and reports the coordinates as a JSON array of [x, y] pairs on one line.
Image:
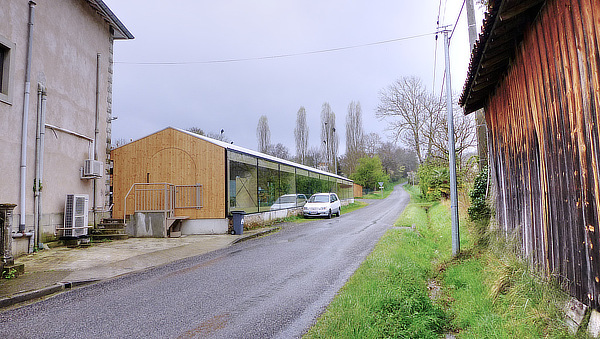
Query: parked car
[[289, 201], [322, 204]]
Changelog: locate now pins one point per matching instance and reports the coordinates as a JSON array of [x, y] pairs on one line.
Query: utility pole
[[451, 150], [479, 114]]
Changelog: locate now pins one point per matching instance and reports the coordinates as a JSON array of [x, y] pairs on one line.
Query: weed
[[11, 273]]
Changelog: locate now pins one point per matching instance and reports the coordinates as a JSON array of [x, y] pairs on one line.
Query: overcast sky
[[176, 71]]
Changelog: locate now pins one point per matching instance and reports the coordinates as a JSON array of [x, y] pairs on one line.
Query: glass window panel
[[268, 184], [303, 183], [242, 186], [239, 157]]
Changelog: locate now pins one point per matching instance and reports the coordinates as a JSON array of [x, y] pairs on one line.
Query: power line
[[458, 17], [434, 62], [280, 56]]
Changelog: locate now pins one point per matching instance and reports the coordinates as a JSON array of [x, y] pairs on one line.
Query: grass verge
[[388, 295], [410, 286]]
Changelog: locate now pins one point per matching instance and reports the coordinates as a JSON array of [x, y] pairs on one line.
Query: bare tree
[[464, 136], [396, 161], [196, 130], [263, 134], [279, 151], [372, 143], [355, 143], [412, 113], [314, 157], [214, 135], [119, 142], [301, 136], [329, 137]]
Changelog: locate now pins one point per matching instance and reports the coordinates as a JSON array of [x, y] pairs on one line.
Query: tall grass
[[484, 292], [388, 297]]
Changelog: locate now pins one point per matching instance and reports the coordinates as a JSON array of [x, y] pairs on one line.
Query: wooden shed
[[535, 71], [176, 181]]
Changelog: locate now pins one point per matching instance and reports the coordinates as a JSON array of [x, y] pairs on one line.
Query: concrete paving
[[53, 270]]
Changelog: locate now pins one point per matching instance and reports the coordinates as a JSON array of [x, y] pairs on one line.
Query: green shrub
[[434, 180], [479, 210]]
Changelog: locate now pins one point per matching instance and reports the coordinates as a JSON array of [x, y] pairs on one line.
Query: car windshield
[[319, 198], [286, 199]]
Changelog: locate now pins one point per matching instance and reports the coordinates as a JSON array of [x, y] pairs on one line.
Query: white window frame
[[8, 47]]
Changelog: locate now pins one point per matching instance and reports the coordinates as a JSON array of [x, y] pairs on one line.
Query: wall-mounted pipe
[[96, 131], [39, 164], [23, 169]]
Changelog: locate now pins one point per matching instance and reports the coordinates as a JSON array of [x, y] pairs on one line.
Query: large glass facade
[[259, 185], [243, 183]]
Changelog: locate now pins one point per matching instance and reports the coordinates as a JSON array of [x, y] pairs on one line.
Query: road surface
[[271, 287]]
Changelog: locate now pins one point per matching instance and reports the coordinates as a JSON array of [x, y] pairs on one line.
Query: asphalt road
[[270, 287]]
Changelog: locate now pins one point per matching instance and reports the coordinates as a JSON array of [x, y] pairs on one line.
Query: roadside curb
[[42, 292], [256, 235]]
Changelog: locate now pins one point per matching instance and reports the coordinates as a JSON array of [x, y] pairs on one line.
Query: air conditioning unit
[[92, 169], [76, 216]]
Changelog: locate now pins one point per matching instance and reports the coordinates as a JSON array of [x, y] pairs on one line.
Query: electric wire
[[434, 62], [279, 56], [458, 17]]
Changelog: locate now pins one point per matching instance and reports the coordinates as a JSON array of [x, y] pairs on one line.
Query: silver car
[[289, 201], [322, 204]]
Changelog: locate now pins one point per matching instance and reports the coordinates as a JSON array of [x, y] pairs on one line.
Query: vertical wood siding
[[544, 146], [174, 157]]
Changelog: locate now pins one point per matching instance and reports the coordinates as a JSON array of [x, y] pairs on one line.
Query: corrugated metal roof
[[502, 32], [121, 32]]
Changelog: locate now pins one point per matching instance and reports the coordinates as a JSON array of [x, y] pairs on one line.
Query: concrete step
[[112, 221], [100, 231], [96, 237], [110, 226]]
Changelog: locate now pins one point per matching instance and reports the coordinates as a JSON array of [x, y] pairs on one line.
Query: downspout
[[25, 118], [39, 164], [96, 130]]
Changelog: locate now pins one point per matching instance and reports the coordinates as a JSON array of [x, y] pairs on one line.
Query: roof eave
[[120, 31], [493, 52]]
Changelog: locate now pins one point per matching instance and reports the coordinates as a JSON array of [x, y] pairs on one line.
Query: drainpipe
[[96, 129], [39, 164], [25, 118]]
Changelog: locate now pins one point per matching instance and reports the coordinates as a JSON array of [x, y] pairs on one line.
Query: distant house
[[175, 181], [535, 71], [55, 110]]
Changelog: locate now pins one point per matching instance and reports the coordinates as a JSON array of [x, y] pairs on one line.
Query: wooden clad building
[[170, 156], [535, 71], [177, 178]]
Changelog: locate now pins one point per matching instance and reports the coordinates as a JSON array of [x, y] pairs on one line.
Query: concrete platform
[[57, 269]]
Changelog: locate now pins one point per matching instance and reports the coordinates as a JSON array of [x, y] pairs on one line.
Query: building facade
[[535, 72], [55, 108], [203, 180]]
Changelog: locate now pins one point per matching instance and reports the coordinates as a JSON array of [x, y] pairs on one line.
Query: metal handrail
[[193, 198], [141, 197]]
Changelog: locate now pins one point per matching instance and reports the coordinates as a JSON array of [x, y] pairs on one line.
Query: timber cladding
[[358, 191], [174, 157], [544, 145]]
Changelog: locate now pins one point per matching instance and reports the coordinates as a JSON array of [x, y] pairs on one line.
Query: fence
[[162, 197]]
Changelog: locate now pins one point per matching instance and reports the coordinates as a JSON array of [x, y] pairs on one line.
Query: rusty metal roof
[[503, 28], [121, 32]]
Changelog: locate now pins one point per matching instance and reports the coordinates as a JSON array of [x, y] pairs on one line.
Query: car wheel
[[329, 215], [339, 212]]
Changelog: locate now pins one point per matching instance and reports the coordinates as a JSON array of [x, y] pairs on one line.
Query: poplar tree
[[263, 134], [301, 136]]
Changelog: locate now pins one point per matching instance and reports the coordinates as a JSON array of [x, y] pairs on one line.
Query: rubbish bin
[[238, 221]]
